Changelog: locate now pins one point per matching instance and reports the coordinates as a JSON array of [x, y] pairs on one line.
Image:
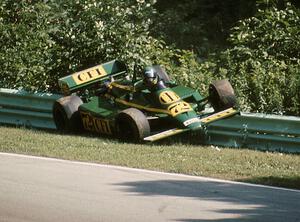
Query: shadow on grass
[[287, 182], [233, 202]]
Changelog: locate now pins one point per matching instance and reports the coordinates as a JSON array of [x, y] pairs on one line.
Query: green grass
[[239, 165]]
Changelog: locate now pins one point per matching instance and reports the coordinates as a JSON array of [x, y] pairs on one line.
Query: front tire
[[221, 95]]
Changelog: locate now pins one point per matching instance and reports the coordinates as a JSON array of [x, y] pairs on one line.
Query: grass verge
[[231, 164]]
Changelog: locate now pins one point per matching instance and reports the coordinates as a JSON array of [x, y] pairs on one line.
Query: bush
[[189, 71], [264, 62], [44, 40], [201, 25]]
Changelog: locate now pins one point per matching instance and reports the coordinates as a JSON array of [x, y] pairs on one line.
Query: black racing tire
[[132, 125], [221, 95], [66, 115]]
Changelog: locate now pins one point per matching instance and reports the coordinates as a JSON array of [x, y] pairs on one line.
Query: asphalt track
[[41, 189]]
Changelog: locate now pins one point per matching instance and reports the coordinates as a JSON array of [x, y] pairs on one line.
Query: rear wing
[[88, 77]]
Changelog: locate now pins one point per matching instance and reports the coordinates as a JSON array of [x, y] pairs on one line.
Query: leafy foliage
[[44, 40], [264, 62], [200, 25]]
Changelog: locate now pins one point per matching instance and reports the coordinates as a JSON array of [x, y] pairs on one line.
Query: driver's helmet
[[150, 76]]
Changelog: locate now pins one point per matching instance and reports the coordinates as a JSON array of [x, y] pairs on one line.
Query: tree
[[264, 61], [44, 40]]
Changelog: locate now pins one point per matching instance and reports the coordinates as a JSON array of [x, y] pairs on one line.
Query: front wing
[[211, 118]]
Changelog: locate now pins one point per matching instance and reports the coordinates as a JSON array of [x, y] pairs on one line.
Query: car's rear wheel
[[66, 115], [132, 125], [221, 95]]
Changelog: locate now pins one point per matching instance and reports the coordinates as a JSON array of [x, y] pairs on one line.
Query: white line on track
[[143, 170]]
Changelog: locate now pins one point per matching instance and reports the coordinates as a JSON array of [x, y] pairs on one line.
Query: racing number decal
[[88, 75], [179, 107], [176, 107], [95, 124], [168, 97]]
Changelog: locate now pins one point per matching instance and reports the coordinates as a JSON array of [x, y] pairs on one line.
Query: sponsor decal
[[95, 124], [191, 121], [89, 75]]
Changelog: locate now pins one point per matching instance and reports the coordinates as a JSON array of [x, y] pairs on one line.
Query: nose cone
[[195, 125], [189, 120]]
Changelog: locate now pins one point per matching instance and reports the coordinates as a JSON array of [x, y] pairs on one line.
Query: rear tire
[[221, 95], [66, 115], [132, 125]]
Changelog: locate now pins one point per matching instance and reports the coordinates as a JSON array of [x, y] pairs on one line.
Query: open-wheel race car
[[147, 106]]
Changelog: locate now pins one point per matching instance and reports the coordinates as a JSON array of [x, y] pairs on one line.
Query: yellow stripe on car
[[128, 88], [219, 115], [142, 107], [164, 134]]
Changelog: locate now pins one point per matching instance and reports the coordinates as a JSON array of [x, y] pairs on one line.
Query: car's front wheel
[[221, 95]]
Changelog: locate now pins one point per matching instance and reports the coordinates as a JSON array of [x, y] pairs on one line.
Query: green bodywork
[[104, 108], [178, 105]]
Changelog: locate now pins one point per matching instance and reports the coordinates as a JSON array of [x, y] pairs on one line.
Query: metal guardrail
[[22, 108], [258, 131]]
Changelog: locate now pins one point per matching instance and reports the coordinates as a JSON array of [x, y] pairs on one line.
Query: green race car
[[104, 99]]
